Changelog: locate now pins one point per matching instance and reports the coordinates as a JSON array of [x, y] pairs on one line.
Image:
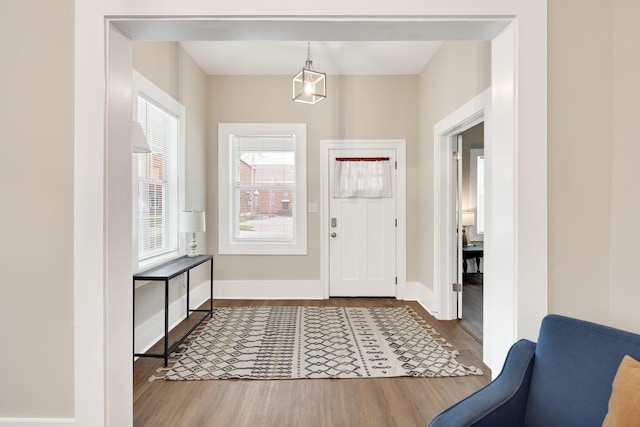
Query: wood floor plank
[[313, 403], [472, 310]]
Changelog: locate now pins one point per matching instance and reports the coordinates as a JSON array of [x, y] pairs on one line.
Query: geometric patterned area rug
[[316, 342]]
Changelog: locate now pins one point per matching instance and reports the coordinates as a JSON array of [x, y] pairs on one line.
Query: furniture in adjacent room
[[563, 380], [165, 272], [472, 252]]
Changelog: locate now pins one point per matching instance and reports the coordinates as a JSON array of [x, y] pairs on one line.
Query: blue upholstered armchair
[[564, 380]]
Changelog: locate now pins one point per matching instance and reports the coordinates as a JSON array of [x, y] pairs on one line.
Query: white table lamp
[[467, 219], [192, 222]]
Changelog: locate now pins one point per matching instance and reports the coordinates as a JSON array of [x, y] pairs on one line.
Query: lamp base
[[192, 246]]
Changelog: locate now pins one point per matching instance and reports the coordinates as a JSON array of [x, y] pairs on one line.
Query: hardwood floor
[[316, 402], [472, 311]]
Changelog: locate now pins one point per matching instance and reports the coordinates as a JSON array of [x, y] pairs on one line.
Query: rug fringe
[[176, 355], [471, 370], [430, 329]]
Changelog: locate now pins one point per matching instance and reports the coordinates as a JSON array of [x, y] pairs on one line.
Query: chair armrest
[[501, 402]]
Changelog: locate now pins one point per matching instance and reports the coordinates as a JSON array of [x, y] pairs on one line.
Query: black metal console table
[[165, 272]]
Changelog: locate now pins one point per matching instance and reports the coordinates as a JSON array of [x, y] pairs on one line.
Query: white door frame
[[401, 205], [445, 240], [527, 120]]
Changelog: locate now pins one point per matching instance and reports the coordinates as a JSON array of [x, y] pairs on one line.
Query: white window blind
[[157, 176]]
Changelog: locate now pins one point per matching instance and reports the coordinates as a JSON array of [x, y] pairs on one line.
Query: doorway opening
[[90, 60], [471, 205], [453, 202]]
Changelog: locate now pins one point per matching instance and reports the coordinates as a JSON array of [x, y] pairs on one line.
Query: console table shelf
[[165, 272]]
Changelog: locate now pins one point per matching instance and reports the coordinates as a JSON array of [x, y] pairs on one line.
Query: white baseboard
[[409, 292], [416, 291], [267, 289], [152, 330], [37, 422], [301, 289]]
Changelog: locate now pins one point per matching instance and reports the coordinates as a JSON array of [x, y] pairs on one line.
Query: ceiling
[[331, 57], [349, 46]]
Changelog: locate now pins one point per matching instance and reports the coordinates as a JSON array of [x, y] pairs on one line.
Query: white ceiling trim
[[344, 46]]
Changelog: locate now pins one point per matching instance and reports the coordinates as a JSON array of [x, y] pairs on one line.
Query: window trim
[[143, 86], [227, 244]]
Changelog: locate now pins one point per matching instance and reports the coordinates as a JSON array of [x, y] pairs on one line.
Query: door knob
[[333, 234]]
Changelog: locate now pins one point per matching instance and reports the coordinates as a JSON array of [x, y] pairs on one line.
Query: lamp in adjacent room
[[467, 219], [192, 222], [139, 143], [309, 85]]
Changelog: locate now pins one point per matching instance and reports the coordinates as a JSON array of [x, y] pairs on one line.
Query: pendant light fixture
[[309, 86]]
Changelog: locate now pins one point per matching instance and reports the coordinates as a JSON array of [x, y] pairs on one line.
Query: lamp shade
[[139, 143], [468, 218], [192, 221]]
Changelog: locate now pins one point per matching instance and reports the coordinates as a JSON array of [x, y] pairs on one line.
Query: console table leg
[[133, 322], [166, 322], [211, 290], [188, 292]]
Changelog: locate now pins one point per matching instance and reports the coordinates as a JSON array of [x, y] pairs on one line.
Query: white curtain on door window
[[362, 177]]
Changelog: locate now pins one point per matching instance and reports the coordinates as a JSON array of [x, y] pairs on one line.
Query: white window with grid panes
[[476, 185], [262, 188], [157, 176]]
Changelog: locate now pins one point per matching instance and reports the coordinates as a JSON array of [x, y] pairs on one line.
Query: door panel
[[362, 249]]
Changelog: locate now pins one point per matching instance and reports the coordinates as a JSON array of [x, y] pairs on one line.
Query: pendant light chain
[[308, 63]]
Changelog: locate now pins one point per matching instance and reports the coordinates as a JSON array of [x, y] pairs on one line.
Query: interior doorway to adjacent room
[[471, 190], [459, 256]]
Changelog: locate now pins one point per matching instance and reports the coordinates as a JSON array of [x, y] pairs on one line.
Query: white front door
[[362, 246]]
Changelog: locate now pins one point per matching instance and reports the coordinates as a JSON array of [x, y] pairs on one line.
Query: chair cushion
[[573, 372], [624, 404]]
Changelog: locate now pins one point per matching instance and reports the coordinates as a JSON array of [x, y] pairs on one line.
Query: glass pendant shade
[[309, 86]]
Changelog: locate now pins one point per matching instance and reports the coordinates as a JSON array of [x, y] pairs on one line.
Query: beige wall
[[357, 107], [457, 72], [158, 62], [170, 68], [593, 93], [624, 294], [579, 156], [36, 215]]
